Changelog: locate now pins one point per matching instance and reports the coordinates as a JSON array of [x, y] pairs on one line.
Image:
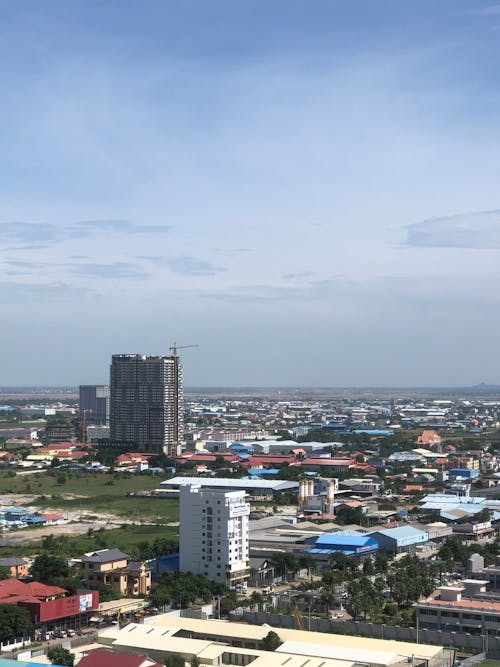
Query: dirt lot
[[77, 522]]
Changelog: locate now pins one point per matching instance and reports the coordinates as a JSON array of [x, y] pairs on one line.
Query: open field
[[30, 423], [127, 538], [87, 492]]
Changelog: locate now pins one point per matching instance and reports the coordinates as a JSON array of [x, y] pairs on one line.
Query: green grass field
[[127, 538], [94, 492], [33, 423]]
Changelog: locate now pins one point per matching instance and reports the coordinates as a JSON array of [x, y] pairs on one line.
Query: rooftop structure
[[347, 542], [252, 486], [223, 642]]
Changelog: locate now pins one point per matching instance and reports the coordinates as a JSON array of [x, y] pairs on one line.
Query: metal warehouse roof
[[399, 533], [230, 483], [336, 539], [441, 498]]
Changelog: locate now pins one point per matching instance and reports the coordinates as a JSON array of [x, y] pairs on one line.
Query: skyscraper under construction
[[147, 402]]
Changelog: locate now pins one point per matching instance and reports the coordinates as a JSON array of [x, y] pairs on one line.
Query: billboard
[[72, 605], [239, 510]]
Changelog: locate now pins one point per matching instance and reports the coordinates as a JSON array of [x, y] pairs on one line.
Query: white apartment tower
[[213, 534]]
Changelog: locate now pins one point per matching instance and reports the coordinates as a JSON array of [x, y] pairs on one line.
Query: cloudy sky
[[310, 191]]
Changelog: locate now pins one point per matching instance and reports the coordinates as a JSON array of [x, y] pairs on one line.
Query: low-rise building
[[49, 605], [348, 542], [450, 611], [111, 567], [402, 538], [18, 566], [225, 643]]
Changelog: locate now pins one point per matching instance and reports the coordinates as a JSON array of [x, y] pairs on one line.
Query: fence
[[460, 640]]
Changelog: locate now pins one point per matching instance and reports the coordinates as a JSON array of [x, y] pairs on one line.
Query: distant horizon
[[274, 387]]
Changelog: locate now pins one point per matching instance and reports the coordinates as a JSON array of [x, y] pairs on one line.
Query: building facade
[[214, 534], [146, 403], [94, 404], [111, 567]]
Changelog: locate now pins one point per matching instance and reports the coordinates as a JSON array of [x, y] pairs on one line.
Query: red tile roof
[[13, 590], [100, 658]]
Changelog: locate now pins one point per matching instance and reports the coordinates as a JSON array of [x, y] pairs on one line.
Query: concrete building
[[18, 566], [59, 433], [111, 567], [146, 403], [318, 498], [451, 611], [477, 570], [213, 534], [94, 404]]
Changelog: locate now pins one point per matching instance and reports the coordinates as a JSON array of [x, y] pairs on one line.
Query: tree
[[4, 572], [368, 568], [14, 622], [307, 562], [363, 598], [271, 641], [46, 568], [174, 660], [346, 515], [285, 562], [195, 661], [61, 656]]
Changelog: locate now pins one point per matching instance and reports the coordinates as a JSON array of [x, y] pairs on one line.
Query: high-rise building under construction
[[147, 403]]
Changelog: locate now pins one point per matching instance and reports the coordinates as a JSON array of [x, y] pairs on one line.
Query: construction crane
[[174, 347], [83, 428], [296, 613]]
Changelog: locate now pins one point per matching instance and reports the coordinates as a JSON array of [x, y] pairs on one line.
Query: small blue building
[[464, 473]]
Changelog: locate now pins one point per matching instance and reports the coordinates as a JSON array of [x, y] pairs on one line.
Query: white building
[[214, 534]]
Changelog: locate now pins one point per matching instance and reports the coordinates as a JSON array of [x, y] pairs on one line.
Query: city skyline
[[311, 195]]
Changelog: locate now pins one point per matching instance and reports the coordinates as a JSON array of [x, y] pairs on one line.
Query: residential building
[[213, 534], [18, 566], [146, 403], [94, 404], [429, 438], [112, 567]]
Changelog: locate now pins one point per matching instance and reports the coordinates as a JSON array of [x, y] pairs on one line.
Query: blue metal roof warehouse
[[400, 538], [349, 543]]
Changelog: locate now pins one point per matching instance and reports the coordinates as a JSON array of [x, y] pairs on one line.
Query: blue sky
[[308, 190]]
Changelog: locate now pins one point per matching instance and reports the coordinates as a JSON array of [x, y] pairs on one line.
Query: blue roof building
[[373, 431], [349, 543], [399, 539], [464, 473]]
